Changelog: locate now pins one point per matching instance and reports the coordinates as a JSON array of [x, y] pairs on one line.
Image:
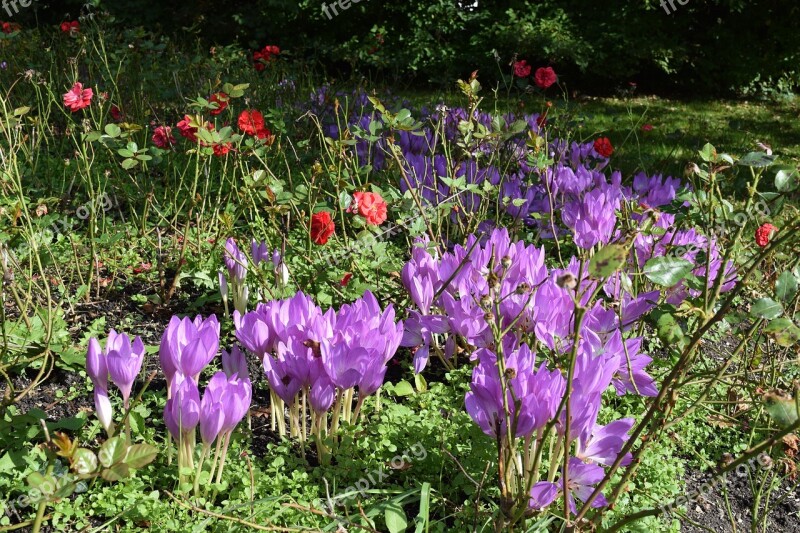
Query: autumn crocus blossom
[[322, 227], [78, 98], [764, 233], [371, 206], [545, 77]]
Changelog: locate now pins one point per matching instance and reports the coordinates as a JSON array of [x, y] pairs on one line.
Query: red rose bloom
[[9, 27], [764, 233], [264, 56], [603, 147], [71, 27], [322, 227], [162, 137], [251, 121], [522, 69], [371, 206], [116, 114], [78, 98], [647, 127], [186, 129], [346, 279], [545, 77], [221, 99], [222, 149]]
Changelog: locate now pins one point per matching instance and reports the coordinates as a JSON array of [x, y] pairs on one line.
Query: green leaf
[[783, 331], [84, 462], [420, 383], [667, 271], [608, 260], [18, 112], [128, 164], [116, 472], [423, 517], [668, 329], [787, 178], [757, 160], [140, 455], [124, 152], [708, 153], [403, 388], [112, 451], [782, 409], [395, 518], [766, 308], [112, 130], [786, 287]]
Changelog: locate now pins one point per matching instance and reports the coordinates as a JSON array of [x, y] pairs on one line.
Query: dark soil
[[710, 512]]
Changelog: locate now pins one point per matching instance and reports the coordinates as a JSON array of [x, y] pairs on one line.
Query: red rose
[[116, 114], [221, 99], [346, 279], [522, 69], [162, 137], [78, 98], [10, 27], [186, 129], [371, 206], [264, 56], [251, 121], [545, 77], [647, 127], [322, 227], [603, 147], [71, 27], [222, 149], [764, 233]]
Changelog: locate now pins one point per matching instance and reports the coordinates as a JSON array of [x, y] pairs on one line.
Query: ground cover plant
[[240, 296]]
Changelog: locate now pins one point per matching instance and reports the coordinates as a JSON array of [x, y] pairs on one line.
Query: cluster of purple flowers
[[496, 300], [187, 347], [236, 266], [304, 349]]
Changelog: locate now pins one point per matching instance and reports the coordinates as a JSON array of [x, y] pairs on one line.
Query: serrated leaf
[[786, 178], [782, 409], [786, 287], [667, 271], [783, 331], [766, 308], [140, 455], [112, 451], [608, 260], [757, 160], [84, 461], [116, 472]]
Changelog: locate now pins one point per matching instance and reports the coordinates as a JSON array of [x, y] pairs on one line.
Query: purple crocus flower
[[259, 252], [187, 346], [124, 360], [97, 369], [235, 363], [582, 477], [212, 408], [630, 375], [605, 442], [235, 261], [182, 410]]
